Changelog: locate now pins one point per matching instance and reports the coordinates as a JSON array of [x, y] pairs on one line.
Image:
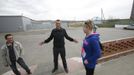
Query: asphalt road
[[35, 54]]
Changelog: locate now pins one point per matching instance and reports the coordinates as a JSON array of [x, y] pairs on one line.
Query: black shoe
[[29, 73], [54, 70], [66, 70]]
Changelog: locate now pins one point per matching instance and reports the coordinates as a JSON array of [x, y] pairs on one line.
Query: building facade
[[14, 23]]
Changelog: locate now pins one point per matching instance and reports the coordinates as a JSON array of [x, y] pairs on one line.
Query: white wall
[[120, 26]]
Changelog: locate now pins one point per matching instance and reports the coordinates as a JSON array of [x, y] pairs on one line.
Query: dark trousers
[[89, 71], [56, 52], [21, 62]]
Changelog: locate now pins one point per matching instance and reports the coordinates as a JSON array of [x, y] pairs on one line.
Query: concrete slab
[[43, 55], [120, 66], [23, 72]]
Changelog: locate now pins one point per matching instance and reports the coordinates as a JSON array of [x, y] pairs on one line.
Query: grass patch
[[111, 23]]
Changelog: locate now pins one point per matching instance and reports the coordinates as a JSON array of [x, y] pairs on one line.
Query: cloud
[[66, 9]]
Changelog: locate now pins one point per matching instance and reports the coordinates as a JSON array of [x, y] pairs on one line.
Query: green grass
[[108, 23], [111, 23], [76, 25]]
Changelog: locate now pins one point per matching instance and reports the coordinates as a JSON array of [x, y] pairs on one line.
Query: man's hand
[[86, 62], [41, 43], [75, 41]]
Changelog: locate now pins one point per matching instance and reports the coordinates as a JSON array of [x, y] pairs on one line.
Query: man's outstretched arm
[[69, 38], [48, 39]]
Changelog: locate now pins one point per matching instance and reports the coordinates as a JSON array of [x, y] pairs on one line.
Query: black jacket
[[58, 35]]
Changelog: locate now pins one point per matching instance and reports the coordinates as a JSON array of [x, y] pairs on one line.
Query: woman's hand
[[85, 61]]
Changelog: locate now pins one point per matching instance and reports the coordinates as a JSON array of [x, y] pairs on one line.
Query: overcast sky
[[66, 9]]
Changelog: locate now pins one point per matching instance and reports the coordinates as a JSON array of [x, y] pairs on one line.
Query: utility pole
[[102, 16], [132, 12]]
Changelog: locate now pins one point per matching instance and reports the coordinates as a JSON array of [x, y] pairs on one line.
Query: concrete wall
[[44, 25], [41, 25], [11, 24], [22, 23], [26, 23]]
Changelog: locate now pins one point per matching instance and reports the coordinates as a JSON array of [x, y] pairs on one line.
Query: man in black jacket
[[58, 34]]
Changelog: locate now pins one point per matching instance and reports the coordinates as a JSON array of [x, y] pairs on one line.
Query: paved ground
[[35, 54]]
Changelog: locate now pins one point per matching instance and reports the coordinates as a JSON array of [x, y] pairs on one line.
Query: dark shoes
[[29, 72], [54, 70], [66, 70]]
